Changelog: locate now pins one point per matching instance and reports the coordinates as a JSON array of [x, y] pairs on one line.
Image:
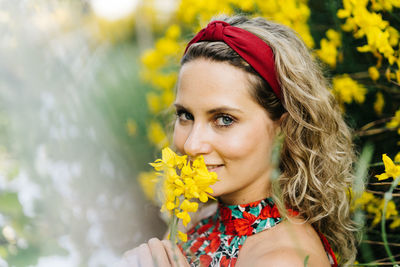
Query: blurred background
[[84, 85], [72, 125]]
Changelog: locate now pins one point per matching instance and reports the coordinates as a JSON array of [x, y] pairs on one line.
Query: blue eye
[[184, 116], [224, 121]]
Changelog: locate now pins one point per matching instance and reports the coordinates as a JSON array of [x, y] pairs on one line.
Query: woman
[[243, 82]]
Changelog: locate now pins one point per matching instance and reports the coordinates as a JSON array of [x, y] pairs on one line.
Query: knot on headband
[[249, 46], [215, 31]]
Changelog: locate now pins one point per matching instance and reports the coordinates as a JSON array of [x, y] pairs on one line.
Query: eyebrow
[[221, 109]]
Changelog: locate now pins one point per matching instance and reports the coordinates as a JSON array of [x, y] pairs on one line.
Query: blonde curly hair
[[317, 153]]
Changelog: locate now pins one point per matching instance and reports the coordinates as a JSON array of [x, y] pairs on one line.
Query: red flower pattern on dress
[[225, 261], [269, 212], [214, 242], [243, 226], [204, 228], [226, 214], [205, 260], [199, 242]]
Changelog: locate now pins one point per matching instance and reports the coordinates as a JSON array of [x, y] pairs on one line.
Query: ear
[[279, 122], [283, 117]]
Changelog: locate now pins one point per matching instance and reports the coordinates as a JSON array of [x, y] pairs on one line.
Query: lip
[[213, 167]]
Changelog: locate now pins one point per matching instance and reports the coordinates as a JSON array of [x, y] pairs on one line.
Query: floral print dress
[[216, 240]]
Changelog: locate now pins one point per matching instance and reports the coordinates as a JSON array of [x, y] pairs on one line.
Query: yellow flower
[[395, 223], [203, 179], [184, 216], [388, 5], [148, 182], [169, 159], [395, 122], [192, 182], [365, 199], [391, 170], [168, 98], [347, 90], [152, 59], [373, 73], [189, 206], [393, 36], [196, 181], [153, 102], [398, 76], [388, 74], [186, 207], [157, 135], [164, 81], [328, 52], [173, 32], [390, 209], [167, 46], [381, 37], [182, 236], [379, 103], [334, 37], [397, 158]]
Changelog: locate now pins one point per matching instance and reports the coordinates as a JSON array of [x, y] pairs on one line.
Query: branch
[[374, 123], [374, 131]]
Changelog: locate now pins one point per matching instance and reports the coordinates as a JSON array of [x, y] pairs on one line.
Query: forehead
[[213, 83]]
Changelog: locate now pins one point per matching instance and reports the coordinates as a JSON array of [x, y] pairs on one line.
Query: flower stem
[[388, 197], [173, 236], [173, 231]]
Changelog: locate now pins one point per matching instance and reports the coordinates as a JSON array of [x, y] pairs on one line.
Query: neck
[[259, 189]]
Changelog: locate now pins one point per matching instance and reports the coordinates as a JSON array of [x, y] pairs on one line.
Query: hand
[[154, 253]]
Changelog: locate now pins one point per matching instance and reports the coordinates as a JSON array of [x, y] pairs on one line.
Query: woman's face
[[218, 118]]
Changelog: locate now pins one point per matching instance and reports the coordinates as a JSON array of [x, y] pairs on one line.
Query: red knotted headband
[[249, 46]]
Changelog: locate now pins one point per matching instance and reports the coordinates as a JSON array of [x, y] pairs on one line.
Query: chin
[[217, 189]]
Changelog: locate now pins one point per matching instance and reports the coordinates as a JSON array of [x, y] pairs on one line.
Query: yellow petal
[[382, 176], [185, 204], [193, 207], [170, 206], [178, 182], [168, 156], [186, 170], [182, 236], [203, 198], [178, 192], [397, 158]]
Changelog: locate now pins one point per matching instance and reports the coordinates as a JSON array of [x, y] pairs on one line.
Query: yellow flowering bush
[[328, 52], [382, 39], [346, 90]]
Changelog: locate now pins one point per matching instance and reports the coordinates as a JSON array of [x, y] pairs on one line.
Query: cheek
[[179, 137], [253, 142]]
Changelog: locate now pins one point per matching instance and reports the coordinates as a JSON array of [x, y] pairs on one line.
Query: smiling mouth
[[211, 168]]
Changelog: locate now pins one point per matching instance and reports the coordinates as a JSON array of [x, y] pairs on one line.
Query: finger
[[175, 255], [145, 258], [122, 263], [159, 253], [131, 257]]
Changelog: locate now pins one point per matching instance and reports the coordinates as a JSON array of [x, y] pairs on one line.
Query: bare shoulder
[[287, 244], [284, 257]]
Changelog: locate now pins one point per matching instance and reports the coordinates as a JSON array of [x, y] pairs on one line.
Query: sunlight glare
[[113, 10]]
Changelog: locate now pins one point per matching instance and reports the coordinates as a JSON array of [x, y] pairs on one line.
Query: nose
[[198, 141]]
